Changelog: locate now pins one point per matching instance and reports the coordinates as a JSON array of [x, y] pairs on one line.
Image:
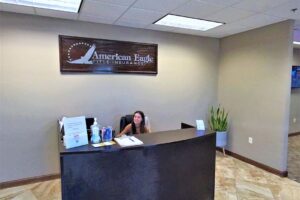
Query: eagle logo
[[86, 59]]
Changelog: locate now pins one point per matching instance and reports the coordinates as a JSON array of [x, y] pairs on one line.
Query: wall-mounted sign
[[79, 54]]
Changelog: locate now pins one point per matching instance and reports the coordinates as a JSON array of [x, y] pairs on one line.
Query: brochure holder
[[75, 132]]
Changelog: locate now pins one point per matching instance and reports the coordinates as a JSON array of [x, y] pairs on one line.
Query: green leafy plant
[[218, 119]]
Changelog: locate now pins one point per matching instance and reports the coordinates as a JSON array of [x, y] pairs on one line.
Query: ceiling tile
[[159, 5], [258, 6], [259, 20], [240, 15], [229, 14], [130, 24], [197, 9], [141, 16], [222, 2], [102, 10], [17, 8], [117, 2], [90, 18], [284, 10], [56, 14]]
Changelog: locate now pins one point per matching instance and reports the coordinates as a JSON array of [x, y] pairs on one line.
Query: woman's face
[[137, 119]]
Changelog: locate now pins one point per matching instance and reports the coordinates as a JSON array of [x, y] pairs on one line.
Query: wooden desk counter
[[177, 164]]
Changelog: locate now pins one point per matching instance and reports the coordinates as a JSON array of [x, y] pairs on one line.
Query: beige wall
[[34, 94], [254, 86], [295, 99]]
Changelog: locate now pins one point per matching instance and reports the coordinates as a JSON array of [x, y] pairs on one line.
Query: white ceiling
[[239, 15]]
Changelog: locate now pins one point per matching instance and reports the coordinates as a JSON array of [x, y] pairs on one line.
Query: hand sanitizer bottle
[[95, 132]]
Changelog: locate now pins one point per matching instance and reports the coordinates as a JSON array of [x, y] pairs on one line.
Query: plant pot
[[221, 139]]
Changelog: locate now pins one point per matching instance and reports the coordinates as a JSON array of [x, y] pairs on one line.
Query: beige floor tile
[[26, 195], [294, 158], [16, 190]]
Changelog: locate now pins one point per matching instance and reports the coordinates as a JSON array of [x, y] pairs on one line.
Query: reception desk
[[177, 164]]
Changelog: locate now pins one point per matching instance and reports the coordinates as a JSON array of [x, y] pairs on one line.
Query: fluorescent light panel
[[61, 5], [295, 42], [187, 23]]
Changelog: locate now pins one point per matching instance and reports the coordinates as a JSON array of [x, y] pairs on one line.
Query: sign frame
[[147, 53]]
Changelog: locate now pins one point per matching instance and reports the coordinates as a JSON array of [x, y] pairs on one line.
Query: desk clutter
[[78, 131]]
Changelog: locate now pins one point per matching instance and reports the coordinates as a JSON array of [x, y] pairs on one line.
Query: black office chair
[[125, 120]]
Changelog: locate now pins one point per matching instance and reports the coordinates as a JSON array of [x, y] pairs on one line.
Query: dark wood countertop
[[149, 140]]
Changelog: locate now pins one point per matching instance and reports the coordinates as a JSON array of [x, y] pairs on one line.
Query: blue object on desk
[[107, 134]]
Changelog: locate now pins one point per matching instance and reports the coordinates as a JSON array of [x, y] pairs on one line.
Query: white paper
[[74, 125], [200, 125], [71, 141], [127, 141]]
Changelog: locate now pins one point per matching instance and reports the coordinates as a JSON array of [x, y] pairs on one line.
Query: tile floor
[[238, 180], [294, 158]]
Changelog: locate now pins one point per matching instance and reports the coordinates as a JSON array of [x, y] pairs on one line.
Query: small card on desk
[[200, 125], [102, 144], [128, 141]]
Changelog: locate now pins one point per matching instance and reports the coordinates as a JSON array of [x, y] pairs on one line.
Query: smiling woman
[[137, 126]]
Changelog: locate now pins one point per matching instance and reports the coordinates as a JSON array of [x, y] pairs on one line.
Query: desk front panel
[[179, 170]]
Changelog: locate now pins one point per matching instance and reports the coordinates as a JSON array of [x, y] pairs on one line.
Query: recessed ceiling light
[[187, 22], [295, 42], [61, 5]]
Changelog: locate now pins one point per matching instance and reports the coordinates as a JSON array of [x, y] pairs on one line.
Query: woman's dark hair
[[142, 126]]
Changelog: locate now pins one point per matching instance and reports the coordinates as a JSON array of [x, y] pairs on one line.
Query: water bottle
[[95, 132]]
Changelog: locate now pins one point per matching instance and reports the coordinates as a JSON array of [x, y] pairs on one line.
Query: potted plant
[[218, 122]]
